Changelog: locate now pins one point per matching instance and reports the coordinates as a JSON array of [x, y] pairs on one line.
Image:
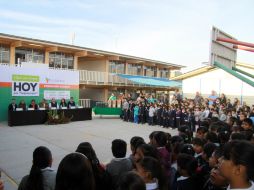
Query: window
[[149, 71], [61, 60], [164, 73], [29, 55], [134, 69], [116, 67], [4, 54]]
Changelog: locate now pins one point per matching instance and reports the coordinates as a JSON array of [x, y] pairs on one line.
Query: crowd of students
[[213, 150], [217, 158], [190, 112]]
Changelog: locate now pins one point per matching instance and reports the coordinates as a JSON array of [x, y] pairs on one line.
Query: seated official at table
[[71, 103], [53, 103], [33, 105], [63, 103], [22, 105], [44, 104], [13, 105]]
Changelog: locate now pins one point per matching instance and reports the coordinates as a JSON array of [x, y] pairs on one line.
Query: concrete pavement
[[17, 143]]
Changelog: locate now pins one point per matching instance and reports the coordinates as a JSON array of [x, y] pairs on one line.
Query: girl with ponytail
[[42, 176]]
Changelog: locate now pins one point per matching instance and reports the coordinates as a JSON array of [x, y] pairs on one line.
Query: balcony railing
[[86, 103], [104, 78]]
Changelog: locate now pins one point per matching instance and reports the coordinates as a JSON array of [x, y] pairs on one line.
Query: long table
[[18, 118], [107, 111]]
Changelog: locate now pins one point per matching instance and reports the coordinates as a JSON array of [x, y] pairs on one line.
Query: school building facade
[[98, 70]]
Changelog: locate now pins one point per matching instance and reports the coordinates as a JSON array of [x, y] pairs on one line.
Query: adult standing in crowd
[[151, 114], [212, 98], [179, 97], [198, 98], [125, 109], [112, 97]]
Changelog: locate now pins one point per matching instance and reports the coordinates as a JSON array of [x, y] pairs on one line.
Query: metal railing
[[104, 78], [86, 103]]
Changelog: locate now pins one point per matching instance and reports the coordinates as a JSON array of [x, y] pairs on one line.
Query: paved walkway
[[18, 143]]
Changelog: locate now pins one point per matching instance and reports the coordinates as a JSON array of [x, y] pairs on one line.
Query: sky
[[174, 31]]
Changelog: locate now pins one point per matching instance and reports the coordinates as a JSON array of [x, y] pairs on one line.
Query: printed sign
[[25, 85], [49, 94]]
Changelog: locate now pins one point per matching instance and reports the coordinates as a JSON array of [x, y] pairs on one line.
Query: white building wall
[[98, 65], [221, 82]]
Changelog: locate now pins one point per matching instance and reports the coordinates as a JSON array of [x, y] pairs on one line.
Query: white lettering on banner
[[56, 86], [25, 88], [49, 94]]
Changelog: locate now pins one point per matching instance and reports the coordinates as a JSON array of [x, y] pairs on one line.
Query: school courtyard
[[17, 143]]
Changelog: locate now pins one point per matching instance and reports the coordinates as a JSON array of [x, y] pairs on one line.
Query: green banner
[[27, 78]]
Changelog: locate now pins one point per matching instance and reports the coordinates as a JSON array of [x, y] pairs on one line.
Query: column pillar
[[142, 70], [106, 71], [126, 68], [75, 66], [157, 72], [46, 57], [12, 55], [106, 95]]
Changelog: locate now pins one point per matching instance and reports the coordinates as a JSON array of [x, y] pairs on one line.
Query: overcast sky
[[175, 31]]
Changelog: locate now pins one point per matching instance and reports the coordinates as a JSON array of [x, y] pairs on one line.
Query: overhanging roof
[[152, 81], [80, 48]]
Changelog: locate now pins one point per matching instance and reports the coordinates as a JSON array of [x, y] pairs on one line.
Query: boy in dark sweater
[[120, 164]]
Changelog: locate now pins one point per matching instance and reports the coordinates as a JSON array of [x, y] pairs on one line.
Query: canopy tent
[[152, 81]]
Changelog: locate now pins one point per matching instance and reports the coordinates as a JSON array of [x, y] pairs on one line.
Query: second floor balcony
[[111, 79], [103, 78]]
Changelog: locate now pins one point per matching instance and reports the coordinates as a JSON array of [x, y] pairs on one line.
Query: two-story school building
[[100, 72]]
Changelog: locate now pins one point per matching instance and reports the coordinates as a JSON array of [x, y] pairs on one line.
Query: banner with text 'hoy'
[[25, 85], [22, 83]]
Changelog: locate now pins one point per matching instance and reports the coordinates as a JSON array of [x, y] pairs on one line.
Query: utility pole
[[73, 35]]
